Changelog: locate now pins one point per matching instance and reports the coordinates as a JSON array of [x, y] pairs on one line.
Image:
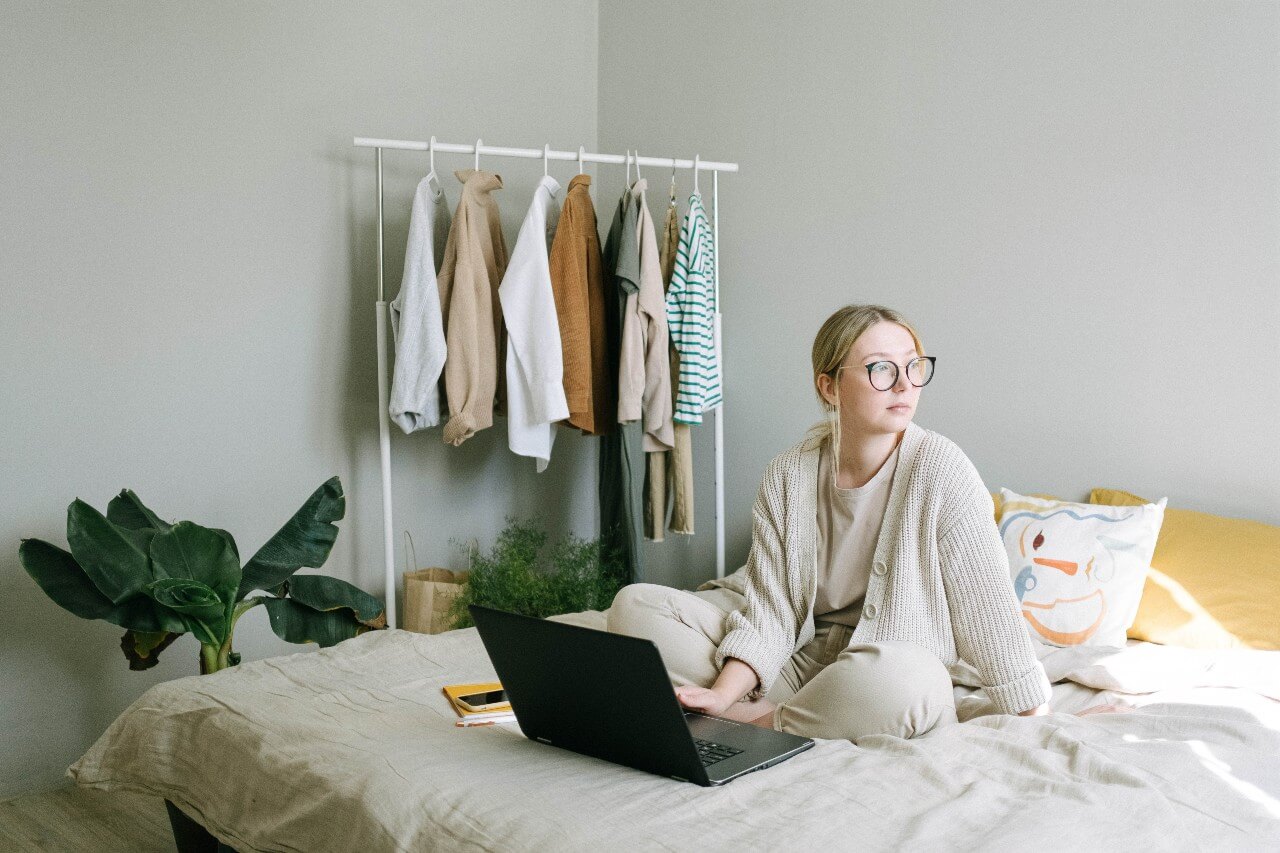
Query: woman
[[875, 562]]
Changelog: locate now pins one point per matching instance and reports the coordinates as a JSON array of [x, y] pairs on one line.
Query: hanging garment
[[617, 511], [644, 369], [678, 476], [691, 308], [535, 362], [475, 259], [417, 325], [622, 258], [670, 239], [577, 282]]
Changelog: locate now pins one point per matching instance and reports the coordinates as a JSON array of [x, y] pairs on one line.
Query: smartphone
[[483, 701]]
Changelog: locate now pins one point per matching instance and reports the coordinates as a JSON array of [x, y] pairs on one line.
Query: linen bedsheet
[[354, 747]]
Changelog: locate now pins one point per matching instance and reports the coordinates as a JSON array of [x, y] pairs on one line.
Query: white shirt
[[416, 322], [535, 364]]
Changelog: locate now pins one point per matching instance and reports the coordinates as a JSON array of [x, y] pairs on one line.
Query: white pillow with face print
[[1078, 569]]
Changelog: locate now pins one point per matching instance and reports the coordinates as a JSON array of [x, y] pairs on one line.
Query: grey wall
[[1078, 205], [187, 265]]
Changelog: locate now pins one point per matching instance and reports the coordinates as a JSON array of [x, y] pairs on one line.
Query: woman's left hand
[[703, 699]]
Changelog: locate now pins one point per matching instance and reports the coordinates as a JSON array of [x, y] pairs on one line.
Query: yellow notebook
[[453, 691]]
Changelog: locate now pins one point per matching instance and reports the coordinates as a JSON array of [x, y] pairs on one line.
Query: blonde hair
[[834, 340]]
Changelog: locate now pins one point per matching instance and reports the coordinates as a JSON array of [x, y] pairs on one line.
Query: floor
[[81, 819]]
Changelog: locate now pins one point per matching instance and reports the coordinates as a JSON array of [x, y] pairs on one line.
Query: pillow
[[997, 500], [1214, 581], [1078, 569]]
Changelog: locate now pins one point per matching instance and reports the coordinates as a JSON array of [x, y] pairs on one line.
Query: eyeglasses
[[883, 375]]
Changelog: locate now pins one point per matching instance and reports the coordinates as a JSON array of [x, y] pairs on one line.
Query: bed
[[354, 747]]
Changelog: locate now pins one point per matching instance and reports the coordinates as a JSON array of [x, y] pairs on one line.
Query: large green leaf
[[115, 558], [64, 581], [127, 510], [197, 553], [321, 592], [297, 623], [235, 549], [305, 540], [189, 551], [201, 607]]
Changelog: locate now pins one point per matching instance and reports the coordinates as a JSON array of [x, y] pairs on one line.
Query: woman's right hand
[[703, 699]]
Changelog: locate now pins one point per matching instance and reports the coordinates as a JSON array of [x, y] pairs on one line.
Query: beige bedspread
[[354, 748]]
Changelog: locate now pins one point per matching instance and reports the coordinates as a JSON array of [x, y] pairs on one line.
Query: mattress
[[354, 747]]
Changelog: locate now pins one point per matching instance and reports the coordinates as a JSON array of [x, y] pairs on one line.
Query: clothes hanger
[[637, 156], [479, 142], [581, 153], [432, 177], [695, 174], [546, 155], [627, 160], [673, 182]]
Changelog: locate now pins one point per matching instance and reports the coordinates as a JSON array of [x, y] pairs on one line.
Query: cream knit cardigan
[[939, 578]]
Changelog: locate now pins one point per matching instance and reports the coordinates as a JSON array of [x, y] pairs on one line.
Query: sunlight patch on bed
[[1223, 771]]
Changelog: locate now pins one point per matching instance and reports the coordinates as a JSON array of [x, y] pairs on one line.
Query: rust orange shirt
[[577, 282]]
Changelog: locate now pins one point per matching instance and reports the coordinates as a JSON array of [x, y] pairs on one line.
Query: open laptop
[[609, 696]]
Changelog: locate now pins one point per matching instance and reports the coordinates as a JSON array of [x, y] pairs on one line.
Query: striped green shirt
[[691, 310]]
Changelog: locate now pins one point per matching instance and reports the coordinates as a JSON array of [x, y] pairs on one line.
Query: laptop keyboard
[[711, 752]]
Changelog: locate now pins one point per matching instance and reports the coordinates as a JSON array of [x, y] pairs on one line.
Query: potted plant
[[159, 580], [522, 575]]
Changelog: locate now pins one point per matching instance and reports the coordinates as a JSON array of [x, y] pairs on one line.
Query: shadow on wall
[[80, 661]]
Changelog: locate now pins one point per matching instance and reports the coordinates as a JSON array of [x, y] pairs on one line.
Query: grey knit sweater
[[939, 578]]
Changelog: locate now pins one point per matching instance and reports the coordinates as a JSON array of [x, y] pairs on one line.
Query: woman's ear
[[826, 389]]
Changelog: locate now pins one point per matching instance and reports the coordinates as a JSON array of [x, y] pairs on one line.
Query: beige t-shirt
[[848, 527]]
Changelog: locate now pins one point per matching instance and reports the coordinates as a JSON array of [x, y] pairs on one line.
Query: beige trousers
[[828, 689]]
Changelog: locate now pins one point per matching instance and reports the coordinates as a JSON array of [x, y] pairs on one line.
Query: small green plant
[[160, 580], [522, 575]]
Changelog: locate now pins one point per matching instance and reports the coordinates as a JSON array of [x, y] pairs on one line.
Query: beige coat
[[644, 370], [475, 258]]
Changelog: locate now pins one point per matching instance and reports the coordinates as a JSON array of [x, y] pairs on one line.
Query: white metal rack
[[581, 156]]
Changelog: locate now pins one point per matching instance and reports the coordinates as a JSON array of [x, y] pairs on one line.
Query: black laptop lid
[[600, 694]]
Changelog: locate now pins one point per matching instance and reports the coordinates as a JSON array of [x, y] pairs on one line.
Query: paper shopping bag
[[428, 596]]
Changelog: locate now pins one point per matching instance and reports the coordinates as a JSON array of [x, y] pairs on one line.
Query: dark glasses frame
[[929, 358]]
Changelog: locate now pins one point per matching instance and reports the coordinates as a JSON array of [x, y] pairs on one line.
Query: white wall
[[187, 265], [1078, 205]]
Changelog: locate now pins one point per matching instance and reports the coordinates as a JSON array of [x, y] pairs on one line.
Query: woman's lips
[[901, 408]]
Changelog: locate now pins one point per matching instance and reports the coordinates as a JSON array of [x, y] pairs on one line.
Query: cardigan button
[[880, 569], [869, 611]]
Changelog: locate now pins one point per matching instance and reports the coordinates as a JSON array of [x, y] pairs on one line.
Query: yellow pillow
[[1214, 581]]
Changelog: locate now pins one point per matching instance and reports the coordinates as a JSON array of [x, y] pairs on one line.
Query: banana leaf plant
[[159, 580]]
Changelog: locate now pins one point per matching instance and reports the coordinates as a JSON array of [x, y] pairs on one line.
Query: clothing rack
[[478, 149]]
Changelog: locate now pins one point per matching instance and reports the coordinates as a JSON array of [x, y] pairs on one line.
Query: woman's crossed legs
[[828, 689]]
